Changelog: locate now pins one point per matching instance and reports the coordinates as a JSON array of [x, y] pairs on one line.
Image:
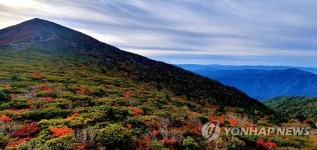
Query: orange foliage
[[5, 118], [36, 75], [73, 115], [39, 85], [232, 122], [13, 96], [152, 123], [265, 144], [47, 89], [82, 91], [197, 128], [47, 99], [217, 118], [155, 132], [143, 143], [15, 111], [128, 93], [14, 144], [137, 111], [6, 86], [248, 124], [61, 131], [169, 141]]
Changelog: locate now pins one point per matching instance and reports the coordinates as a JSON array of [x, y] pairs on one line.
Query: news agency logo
[[211, 130]]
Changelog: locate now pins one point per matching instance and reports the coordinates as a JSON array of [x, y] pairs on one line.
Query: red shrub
[[47, 89], [47, 99], [82, 91], [155, 132], [14, 144], [248, 124], [217, 118], [73, 115], [168, 141], [232, 122], [143, 143], [137, 111], [128, 93], [27, 130], [5, 118], [265, 144], [36, 75], [61, 131]]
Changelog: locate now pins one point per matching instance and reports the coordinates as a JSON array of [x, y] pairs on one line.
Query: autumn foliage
[[137, 111], [82, 91], [27, 130], [168, 141], [217, 118], [14, 144], [260, 143], [155, 133], [61, 131], [5, 118], [73, 115], [47, 89], [232, 122]]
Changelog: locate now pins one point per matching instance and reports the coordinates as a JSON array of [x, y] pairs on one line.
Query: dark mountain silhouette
[[38, 35]]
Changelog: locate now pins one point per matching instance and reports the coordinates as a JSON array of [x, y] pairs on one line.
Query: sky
[[229, 32]]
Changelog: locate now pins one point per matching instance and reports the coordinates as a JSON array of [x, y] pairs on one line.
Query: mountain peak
[[44, 32]]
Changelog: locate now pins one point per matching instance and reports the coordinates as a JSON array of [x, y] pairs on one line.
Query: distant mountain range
[[213, 67], [262, 82]]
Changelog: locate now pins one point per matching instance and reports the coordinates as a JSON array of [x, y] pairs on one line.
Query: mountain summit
[[39, 35], [42, 31]]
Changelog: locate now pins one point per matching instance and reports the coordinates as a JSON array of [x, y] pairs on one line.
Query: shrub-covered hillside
[[93, 96], [297, 107]]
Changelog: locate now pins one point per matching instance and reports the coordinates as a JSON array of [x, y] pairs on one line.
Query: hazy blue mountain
[[262, 83], [204, 68]]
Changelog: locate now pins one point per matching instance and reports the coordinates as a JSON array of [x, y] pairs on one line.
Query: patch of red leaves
[[137, 111], [61, 131], [73, 115], [5, 118], [268, 145], [27, 130], [14, 144], [232, 122]]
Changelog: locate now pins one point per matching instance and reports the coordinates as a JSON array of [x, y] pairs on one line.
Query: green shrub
[[156, 145], [4, 96], [189, 143], [114, 136]]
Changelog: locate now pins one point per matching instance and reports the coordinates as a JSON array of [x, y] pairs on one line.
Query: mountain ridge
[[263, 84], [49, 37]]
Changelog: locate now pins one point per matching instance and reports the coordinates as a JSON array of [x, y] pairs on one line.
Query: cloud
[[187, 31]]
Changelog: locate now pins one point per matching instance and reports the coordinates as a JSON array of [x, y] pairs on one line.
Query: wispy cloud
[[186, 31]]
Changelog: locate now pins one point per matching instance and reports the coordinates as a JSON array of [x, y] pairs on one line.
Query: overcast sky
[[235, 32]]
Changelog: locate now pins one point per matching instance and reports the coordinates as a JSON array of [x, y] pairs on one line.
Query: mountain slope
[[52, 38], [263, 84], [64, 92], [295, 107]]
